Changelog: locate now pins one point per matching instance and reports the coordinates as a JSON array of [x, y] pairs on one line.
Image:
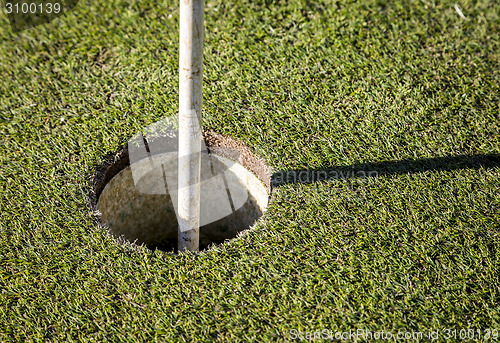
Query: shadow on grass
[[365, 170]]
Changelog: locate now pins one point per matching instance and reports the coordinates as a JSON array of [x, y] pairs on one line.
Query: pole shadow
[[377, 169]]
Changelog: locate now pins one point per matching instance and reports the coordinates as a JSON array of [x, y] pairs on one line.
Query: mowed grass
[[306, 84]]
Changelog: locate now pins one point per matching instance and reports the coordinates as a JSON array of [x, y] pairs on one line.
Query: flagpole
[[190, 104]]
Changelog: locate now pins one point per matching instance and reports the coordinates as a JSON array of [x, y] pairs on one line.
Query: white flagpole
[[190, 103]]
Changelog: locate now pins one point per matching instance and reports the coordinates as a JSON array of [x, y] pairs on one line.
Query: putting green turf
[[306, 85]]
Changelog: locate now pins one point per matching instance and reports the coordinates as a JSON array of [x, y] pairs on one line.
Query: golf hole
[[136, 206]]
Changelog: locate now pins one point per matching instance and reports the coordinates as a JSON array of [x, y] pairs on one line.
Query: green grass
[[306, 85]]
